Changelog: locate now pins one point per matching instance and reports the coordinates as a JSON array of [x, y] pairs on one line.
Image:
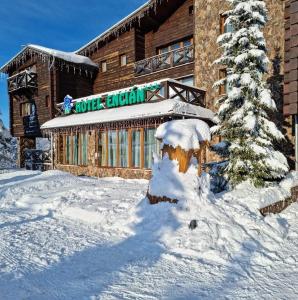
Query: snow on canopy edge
[[186, 134], [145, 110], [67, 56], [71, 57]]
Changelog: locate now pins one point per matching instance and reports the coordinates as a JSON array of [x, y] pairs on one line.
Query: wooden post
[[129, 148], [142, 148]]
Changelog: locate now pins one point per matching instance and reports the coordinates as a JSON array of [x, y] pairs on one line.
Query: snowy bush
[[243, 123], [8, 148]]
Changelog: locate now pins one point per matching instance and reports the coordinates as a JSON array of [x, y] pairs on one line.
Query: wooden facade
[[140, 42]]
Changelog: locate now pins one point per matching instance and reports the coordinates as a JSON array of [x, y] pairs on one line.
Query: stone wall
[[105, 172]]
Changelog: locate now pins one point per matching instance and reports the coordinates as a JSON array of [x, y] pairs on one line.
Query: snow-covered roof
[[186, 134], [70, 57], [146, 110]]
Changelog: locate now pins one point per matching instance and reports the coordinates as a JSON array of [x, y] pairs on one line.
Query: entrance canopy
[[169, 107]]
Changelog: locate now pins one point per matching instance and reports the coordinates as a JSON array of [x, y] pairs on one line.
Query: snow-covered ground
[[66, 237]]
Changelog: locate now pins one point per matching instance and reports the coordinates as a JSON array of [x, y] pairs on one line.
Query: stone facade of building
[[208, 28]]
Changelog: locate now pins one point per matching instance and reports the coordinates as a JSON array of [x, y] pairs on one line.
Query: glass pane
[[175, 46], [164, 50], [68, 150], [149, 145], [187, 80], [104, 66], [229, 28], [187, 43], [136, 149], [102, 153], [84, 149], [123, 147], [112, 137], [75, 150], [123, 60]]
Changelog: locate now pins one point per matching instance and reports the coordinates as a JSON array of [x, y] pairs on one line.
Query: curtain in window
[[75, 152], [123, 148], [136, 149], [149, 147], [112, 137], [68, 145], [102, 149], [84, 149]]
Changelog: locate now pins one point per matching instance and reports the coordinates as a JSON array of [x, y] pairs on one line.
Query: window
[[104, 67], [47, 101], [83, 141], [112, 148], [25, 109], [68, 150], [189, 80], [174, 46], [136, 148], [190, 10], [225, 28], [123, 148], [223, 87], [71, 150], [123, 60], [102, 149], [75, 152], [149, 147]]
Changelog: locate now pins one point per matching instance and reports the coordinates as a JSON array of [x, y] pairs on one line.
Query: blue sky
[[60, 24]]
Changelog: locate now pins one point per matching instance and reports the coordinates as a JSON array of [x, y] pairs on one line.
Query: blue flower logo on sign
[[67, 105]]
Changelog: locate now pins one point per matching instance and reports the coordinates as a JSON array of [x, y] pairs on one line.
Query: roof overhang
[[51, 55], [170, 107]]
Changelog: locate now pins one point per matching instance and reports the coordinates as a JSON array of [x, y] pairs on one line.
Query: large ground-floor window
[[115, 148], [127, 148]]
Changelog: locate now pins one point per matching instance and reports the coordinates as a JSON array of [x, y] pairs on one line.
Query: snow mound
[[100, 239], [169, 182], [184, 133]]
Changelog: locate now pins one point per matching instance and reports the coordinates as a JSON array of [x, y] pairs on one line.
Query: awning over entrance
[[170, 107]]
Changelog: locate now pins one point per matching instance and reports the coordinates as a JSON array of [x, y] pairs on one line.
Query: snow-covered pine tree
[[243, 121], [7, 148]]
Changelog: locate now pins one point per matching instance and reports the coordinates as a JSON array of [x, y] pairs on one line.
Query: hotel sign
[[132, 96]]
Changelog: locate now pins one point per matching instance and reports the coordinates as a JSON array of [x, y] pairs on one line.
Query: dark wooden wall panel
[[116, 76], [44, 89], [73, 84], [178, 26], [291, 58], [137, 45]]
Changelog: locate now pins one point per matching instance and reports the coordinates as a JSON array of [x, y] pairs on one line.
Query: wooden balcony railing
[[21, 81], [166, 60]]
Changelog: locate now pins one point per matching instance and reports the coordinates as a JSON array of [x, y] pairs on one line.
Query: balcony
[[23, 81], [164, 89], [165, 61]]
